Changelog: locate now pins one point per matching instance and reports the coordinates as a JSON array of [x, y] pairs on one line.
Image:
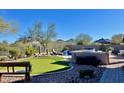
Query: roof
[[102, 40]]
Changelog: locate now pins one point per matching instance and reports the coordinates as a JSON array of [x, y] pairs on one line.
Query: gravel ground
[[71, 76]]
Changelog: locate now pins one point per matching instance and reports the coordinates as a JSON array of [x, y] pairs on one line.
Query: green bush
[[103, 47], [15, 53], [122, 54], [30, 51], [109, 49], [79, 43], [86, 73], [65, 48]]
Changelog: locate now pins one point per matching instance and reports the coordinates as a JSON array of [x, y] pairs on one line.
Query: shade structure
[[103, 41]]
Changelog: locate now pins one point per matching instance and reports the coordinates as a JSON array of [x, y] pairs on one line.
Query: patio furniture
[[26, 72]]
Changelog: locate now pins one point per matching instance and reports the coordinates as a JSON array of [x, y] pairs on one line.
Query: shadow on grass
[[64, 63]]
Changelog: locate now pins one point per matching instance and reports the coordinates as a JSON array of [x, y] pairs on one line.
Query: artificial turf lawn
[[47, 64]]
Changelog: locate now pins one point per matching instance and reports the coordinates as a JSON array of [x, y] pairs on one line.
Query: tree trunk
[[40, 49]]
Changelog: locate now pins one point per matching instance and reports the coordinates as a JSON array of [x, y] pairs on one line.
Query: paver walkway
[[113, 72]]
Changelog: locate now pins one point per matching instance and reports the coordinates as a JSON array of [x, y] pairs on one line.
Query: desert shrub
[[102, 48], [88, 60], [109, 49], [86, 73], [79, 43], [65, 48], [30, 51], [4, 58], [20, 47], [15, 53], [122, 54]]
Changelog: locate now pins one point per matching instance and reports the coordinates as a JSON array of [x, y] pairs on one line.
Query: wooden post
[[0, 77], [7, 69], [26, 69], [13, 69], [28, 76]]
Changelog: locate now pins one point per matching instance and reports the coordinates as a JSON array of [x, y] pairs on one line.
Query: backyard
[[38, 51]]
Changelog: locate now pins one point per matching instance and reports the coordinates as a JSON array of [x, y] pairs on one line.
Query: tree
[[7, 27], [50, 35], [117, 38], [23, 39], [83, 39], [4, 48], [36, 34]]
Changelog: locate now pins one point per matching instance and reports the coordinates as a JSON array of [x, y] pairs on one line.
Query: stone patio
[[113, 72]]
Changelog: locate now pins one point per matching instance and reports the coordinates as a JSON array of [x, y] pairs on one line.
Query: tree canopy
[[83, 39], [7, 27], [37, 36], [117, 38]]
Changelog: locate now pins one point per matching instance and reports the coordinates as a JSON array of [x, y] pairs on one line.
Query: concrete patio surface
[[113, 72]]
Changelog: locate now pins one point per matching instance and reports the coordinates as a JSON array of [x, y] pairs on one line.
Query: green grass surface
[[46, 64]]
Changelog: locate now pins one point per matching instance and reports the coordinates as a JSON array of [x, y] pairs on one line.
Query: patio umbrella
[[103, 41]]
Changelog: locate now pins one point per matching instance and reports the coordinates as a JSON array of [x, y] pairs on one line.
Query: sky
[[69, 23]]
